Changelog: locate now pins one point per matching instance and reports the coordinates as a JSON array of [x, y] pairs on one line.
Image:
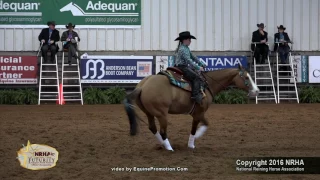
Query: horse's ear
[[239, 67]]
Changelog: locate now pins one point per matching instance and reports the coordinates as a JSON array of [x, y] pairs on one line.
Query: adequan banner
[[115, 69], [18, 69], [83, 13], [314, 69]]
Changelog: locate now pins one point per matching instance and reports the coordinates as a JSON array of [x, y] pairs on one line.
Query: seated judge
[[283, 48], [260, 36], [49, 37], [71, 38]]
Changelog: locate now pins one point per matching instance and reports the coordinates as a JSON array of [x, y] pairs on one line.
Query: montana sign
[[83, 13]]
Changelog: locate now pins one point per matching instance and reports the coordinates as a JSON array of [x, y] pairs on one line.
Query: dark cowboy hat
[[260, 25], [51, 23], [281, 27], [70, 24], [184, 35]]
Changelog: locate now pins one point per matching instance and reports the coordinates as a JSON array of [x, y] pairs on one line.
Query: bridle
[[241, 74]]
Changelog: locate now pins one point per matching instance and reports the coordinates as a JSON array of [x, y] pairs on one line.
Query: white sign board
[[314, 69]]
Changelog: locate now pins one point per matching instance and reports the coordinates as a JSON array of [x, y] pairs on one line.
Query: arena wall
[[219, 25]]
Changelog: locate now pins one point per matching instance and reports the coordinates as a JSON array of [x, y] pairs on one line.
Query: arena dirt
[[93, 139]]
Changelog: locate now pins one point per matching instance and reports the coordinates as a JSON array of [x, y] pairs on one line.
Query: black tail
[[128, 105]]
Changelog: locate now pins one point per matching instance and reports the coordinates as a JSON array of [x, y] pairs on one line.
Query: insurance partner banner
[[115, 69], [314, 69], [212, 62], [83, 13], [18, 69]]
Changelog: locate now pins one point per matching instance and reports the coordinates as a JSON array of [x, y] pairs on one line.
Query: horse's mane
[[221, 77], [222, 72]]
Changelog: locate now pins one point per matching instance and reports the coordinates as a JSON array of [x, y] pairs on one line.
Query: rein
[[204, 74], [241, 73]]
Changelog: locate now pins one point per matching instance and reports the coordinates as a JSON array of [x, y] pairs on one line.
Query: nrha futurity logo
[[37, 156]]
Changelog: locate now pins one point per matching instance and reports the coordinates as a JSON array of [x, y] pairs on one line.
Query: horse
[[169, 93]]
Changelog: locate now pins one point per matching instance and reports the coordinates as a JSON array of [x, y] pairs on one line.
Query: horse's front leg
[[197, 133], [163, 121]]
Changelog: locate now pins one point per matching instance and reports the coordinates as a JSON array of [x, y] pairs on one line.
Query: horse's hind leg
[[197, 133], [153, 128], [163, 120]]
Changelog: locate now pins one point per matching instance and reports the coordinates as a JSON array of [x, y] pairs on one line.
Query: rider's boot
[[196, 95]]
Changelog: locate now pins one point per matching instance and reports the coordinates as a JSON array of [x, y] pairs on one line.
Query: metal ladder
[[52, 93], [291, 93], [68, 89], [264, 74]]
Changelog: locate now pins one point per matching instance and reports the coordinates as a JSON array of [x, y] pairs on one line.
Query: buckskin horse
[[169, 93]]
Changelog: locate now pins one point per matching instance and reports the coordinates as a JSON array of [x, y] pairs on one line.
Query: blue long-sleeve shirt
[[184, 57]]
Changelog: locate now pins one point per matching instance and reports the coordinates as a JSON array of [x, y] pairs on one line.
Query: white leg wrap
[[191, 141], [167, 145], [200, 131], [159, 138]]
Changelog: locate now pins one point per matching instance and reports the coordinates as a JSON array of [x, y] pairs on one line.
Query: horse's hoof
[[168, 149], [191, 147]]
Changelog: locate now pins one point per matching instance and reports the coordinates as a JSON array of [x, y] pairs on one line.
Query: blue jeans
[[193, 77], [283, 53]]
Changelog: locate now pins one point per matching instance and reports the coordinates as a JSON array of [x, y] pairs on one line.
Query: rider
[[189, 63]]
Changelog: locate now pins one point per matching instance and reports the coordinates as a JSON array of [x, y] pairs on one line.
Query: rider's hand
[[51, 42], [68, 39], [42, 40], [201, 69]]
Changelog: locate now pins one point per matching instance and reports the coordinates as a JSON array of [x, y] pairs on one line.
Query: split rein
[[241, 74]]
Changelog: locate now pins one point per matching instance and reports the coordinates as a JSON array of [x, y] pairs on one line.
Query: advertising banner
[[115, 69], [300, 69], [314, 69], [212, 62], [83, 13], [162, 63], [18, 69], [223, 62]]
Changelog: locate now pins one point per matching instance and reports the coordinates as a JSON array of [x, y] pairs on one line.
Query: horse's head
[[66, 7], [244, 81]]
